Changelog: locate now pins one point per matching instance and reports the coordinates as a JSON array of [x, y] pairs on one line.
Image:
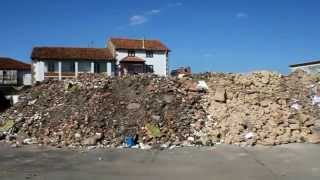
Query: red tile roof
[[68, 53], [132, 59], [137, 44], [12, 64]]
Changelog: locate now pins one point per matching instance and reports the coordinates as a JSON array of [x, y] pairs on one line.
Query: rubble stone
[[220, 95], [260, 103]]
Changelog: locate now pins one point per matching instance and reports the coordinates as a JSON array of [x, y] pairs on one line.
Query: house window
[[84, 67], [149, 69], [51, 67], [100, 67], [149, 54], [131, 53], [4, 75], [67, 67]]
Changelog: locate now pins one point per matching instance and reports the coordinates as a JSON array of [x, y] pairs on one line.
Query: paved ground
[[295, 161]]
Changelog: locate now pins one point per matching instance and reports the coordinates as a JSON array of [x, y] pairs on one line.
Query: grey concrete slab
[[295, 161]]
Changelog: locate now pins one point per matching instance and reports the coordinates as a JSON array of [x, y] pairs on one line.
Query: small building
[[14, 72], [65, 62], [136, 56], [312, 67]]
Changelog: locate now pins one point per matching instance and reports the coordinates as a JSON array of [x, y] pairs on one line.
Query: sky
[[208, 35]]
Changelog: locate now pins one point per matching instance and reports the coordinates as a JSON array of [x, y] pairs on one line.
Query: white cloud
[[175, 4], [241, 15], [153, 12], [137, 19], [144, 17]]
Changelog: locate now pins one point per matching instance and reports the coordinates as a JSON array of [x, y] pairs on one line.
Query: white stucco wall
[[38, 70], [159, 60], [310, 69]]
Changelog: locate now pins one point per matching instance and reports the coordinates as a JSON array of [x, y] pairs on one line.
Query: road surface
[[222, 162]]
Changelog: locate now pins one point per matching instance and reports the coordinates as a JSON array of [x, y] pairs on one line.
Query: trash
[[6, 125], [15, 99], [296, 106], [249, 135], [165, 146], [130, 141], [153, 130], [191, 139], [145, 146], [316, 100], [27, 141], [137, 146], [202, 86], [77, 135], [32, 102]]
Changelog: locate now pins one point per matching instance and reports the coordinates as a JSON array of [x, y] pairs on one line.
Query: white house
[[136, 56], [312, 67], [14, 72], [120, 57]]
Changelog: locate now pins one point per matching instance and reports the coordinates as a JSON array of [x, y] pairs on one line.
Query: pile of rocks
[[262, 108], [95, 110], [259, 108]]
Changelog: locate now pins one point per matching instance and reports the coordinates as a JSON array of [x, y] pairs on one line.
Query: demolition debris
[[147, 111], [262, 108], [102, 111]]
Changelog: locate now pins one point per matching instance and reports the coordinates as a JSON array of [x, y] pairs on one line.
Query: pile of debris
[[143, 111], [262, 108], [147, 111]]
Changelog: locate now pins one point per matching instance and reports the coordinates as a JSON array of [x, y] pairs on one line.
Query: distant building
[[121, 56], [312, 67], [136, 56], [182, 71], [14, 72]]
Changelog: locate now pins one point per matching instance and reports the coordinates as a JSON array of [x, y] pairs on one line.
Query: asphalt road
[[295, 161]]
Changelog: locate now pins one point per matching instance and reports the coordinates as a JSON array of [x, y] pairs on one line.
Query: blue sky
[[208, 35]]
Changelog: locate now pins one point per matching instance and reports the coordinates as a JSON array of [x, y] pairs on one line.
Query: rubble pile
[[262, 108], [95, 110], [147, 111]]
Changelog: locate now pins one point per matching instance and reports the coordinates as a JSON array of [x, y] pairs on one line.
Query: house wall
[[310, 69], [159, 60], [8, 77], [41, 67], [38, 70], [24, 77]]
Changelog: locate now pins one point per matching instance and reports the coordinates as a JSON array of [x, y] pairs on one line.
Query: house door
[[135, 68]]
